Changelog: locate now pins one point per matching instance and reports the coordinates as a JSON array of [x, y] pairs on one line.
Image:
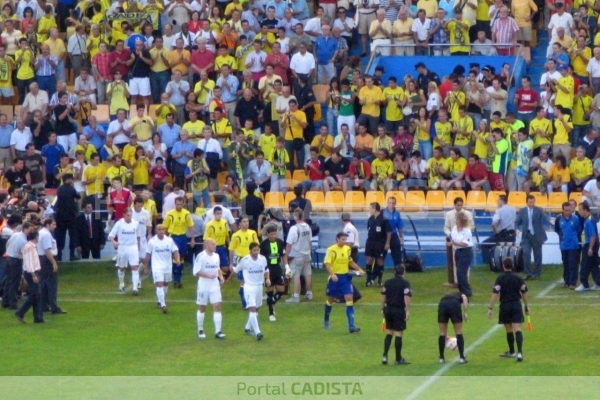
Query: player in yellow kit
[[337, 262], [218, 230], [240, 248], [178, 222]]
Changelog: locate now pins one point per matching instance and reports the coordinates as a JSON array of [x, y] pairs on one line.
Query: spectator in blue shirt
[[300, 10], [51, 153], [6, 160], [182, 152], [589, 253], [279, 6], [397, 239], [133, 37], [569, 228], [94, 133], [325, 48]]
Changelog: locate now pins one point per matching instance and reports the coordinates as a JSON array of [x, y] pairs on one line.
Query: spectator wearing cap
[[560, 19], [380, 32], [403, 36], [523, 11], [564, 88], [504, 34], [347, 24], [366, 10], [420, 30], [458, 28], [439, 33]]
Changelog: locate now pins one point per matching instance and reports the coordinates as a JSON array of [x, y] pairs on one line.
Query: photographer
[[66, 213]]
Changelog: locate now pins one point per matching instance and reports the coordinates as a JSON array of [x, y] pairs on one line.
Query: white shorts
[[143, 247], [127, 256], [7, 92], [161, 276], [139, 87], [208, 294], [253, 295]]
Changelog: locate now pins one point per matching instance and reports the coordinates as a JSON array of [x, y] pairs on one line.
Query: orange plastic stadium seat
[[354, 201], [334, 201], [517, 199], [415, 200], [299, 175], [102, 113], [375, 196], [274, 200], [556, 200], [492, 200], [435, 200], [541, 200], [316, 198], [476, 199], [576, 196], [453, 194], [398, 195]]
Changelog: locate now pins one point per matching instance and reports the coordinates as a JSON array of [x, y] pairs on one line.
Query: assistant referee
[[178, 222], [395, 306], [449, 309], [511, 288]]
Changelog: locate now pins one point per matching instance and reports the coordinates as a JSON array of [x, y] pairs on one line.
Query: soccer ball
[[451, 343]]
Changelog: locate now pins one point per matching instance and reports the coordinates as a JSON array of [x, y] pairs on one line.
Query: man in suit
[[449, 223], [90, 231], [529, 221]]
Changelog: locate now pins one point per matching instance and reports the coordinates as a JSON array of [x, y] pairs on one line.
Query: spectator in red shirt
[[446, 86], [280, 62], [202, 60], [120, 59], [159, 174], [119, 200], [314, 170], [526, 100], [359, 175], [476, 175], [402, 141]]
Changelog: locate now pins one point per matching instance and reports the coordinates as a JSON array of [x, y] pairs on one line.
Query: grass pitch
[[106, 333]]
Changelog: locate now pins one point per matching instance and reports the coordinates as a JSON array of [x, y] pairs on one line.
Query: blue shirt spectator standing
[[569, 229], [325, 48], [6, 160], [182, 152], [94, 133], [51, 153], [397, 225]]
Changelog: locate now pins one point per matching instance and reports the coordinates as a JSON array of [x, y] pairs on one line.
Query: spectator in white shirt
[[259, 171], [177, 89], [119, 129], [86, 82], [420, 30], [19, 139], [255, 61]]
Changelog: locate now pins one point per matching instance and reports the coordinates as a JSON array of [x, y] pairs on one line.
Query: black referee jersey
[[272, 251], [510, 287], [377, 229], [394, 290]]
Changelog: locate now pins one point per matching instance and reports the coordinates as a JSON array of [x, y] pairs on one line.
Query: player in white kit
[[256, 274], [207, 269], [142, 216], [161, 250], [123, 236]]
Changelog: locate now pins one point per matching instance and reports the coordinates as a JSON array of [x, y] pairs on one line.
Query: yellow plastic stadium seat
[[320, 92], [9, 111], [376, 196], [556, 200], [354, 201], [517, 199], [476, 199], [541, 200], [492, 200], [435, 199], [288, 174], [289, 196], [397, 194], [453, 194], [152, 111], [274, 200], [334, 201], [316, 198], [576, 196], [102, 113], [415, 200], [299, 175]]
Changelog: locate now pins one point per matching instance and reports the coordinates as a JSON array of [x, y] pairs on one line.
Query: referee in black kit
[[511, 288], [449, 309], [395, 306], [379, 234]]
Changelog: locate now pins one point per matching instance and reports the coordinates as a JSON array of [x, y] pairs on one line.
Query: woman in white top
[[434, 100], [461, 240], [158, 149], [547, 97]]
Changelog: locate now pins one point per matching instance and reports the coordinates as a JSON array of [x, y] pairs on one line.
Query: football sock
[[510, 338], [387, 342], [248, 325], [166, 288], [241, 293], [135, 279], [398, 344], [200, 320], [270, 301], [278, 296], [121, 275], [254, 322], [160, 294], [519, 337], [218, 319], [350, 313], [327, 310], [441, 345], [460, 341]]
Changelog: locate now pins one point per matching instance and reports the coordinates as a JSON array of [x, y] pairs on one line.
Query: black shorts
[[511, 313], [395, 318], [276, 275], [375, 249], [449, 310]]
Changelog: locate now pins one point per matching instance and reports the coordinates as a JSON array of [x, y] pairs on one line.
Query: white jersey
[[143, 220], [300, 237], [207, 263], [352, 233], [125, 233], [252, 270], [227, 215], [161, 253]]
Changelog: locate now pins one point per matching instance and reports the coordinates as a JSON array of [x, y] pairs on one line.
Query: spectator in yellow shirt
[[581, 169], [558, 176], [324, 142], [456, 171]]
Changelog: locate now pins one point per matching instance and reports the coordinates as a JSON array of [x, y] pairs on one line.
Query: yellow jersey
[[24, 68], [129, 153], [580, 107], [294, 130], [202, 89], [562, 135], [177, 222], [463, 124], [482, 145], [338, 258], [382, 169], [141, 172], [323, 151], [240, 242], [162, 112], [218, 231], [43, 29], [369, 96], [457, 167], [225, 60], [97, 173], [434, 177], [150, 206], [194, 129], [87, 151], [540, 125], [223, 126], [562, 98], [392, 111], [581, 168], [114, 171], [454, 101], [267, 144], [143, 130], [559, 175], [443, 131]]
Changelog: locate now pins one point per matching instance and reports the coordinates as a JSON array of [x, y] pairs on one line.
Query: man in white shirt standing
[[420, 29], [593, 69], [169, 199], [119, 129], [298, 249], [47, 250], [560, 19], [144, 233], [210, 279], [302, 64], [161, 250], [124, 238], [256, 275]]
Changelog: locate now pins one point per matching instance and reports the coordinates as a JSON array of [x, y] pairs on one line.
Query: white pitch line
[[551, 287], [425, 385]]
